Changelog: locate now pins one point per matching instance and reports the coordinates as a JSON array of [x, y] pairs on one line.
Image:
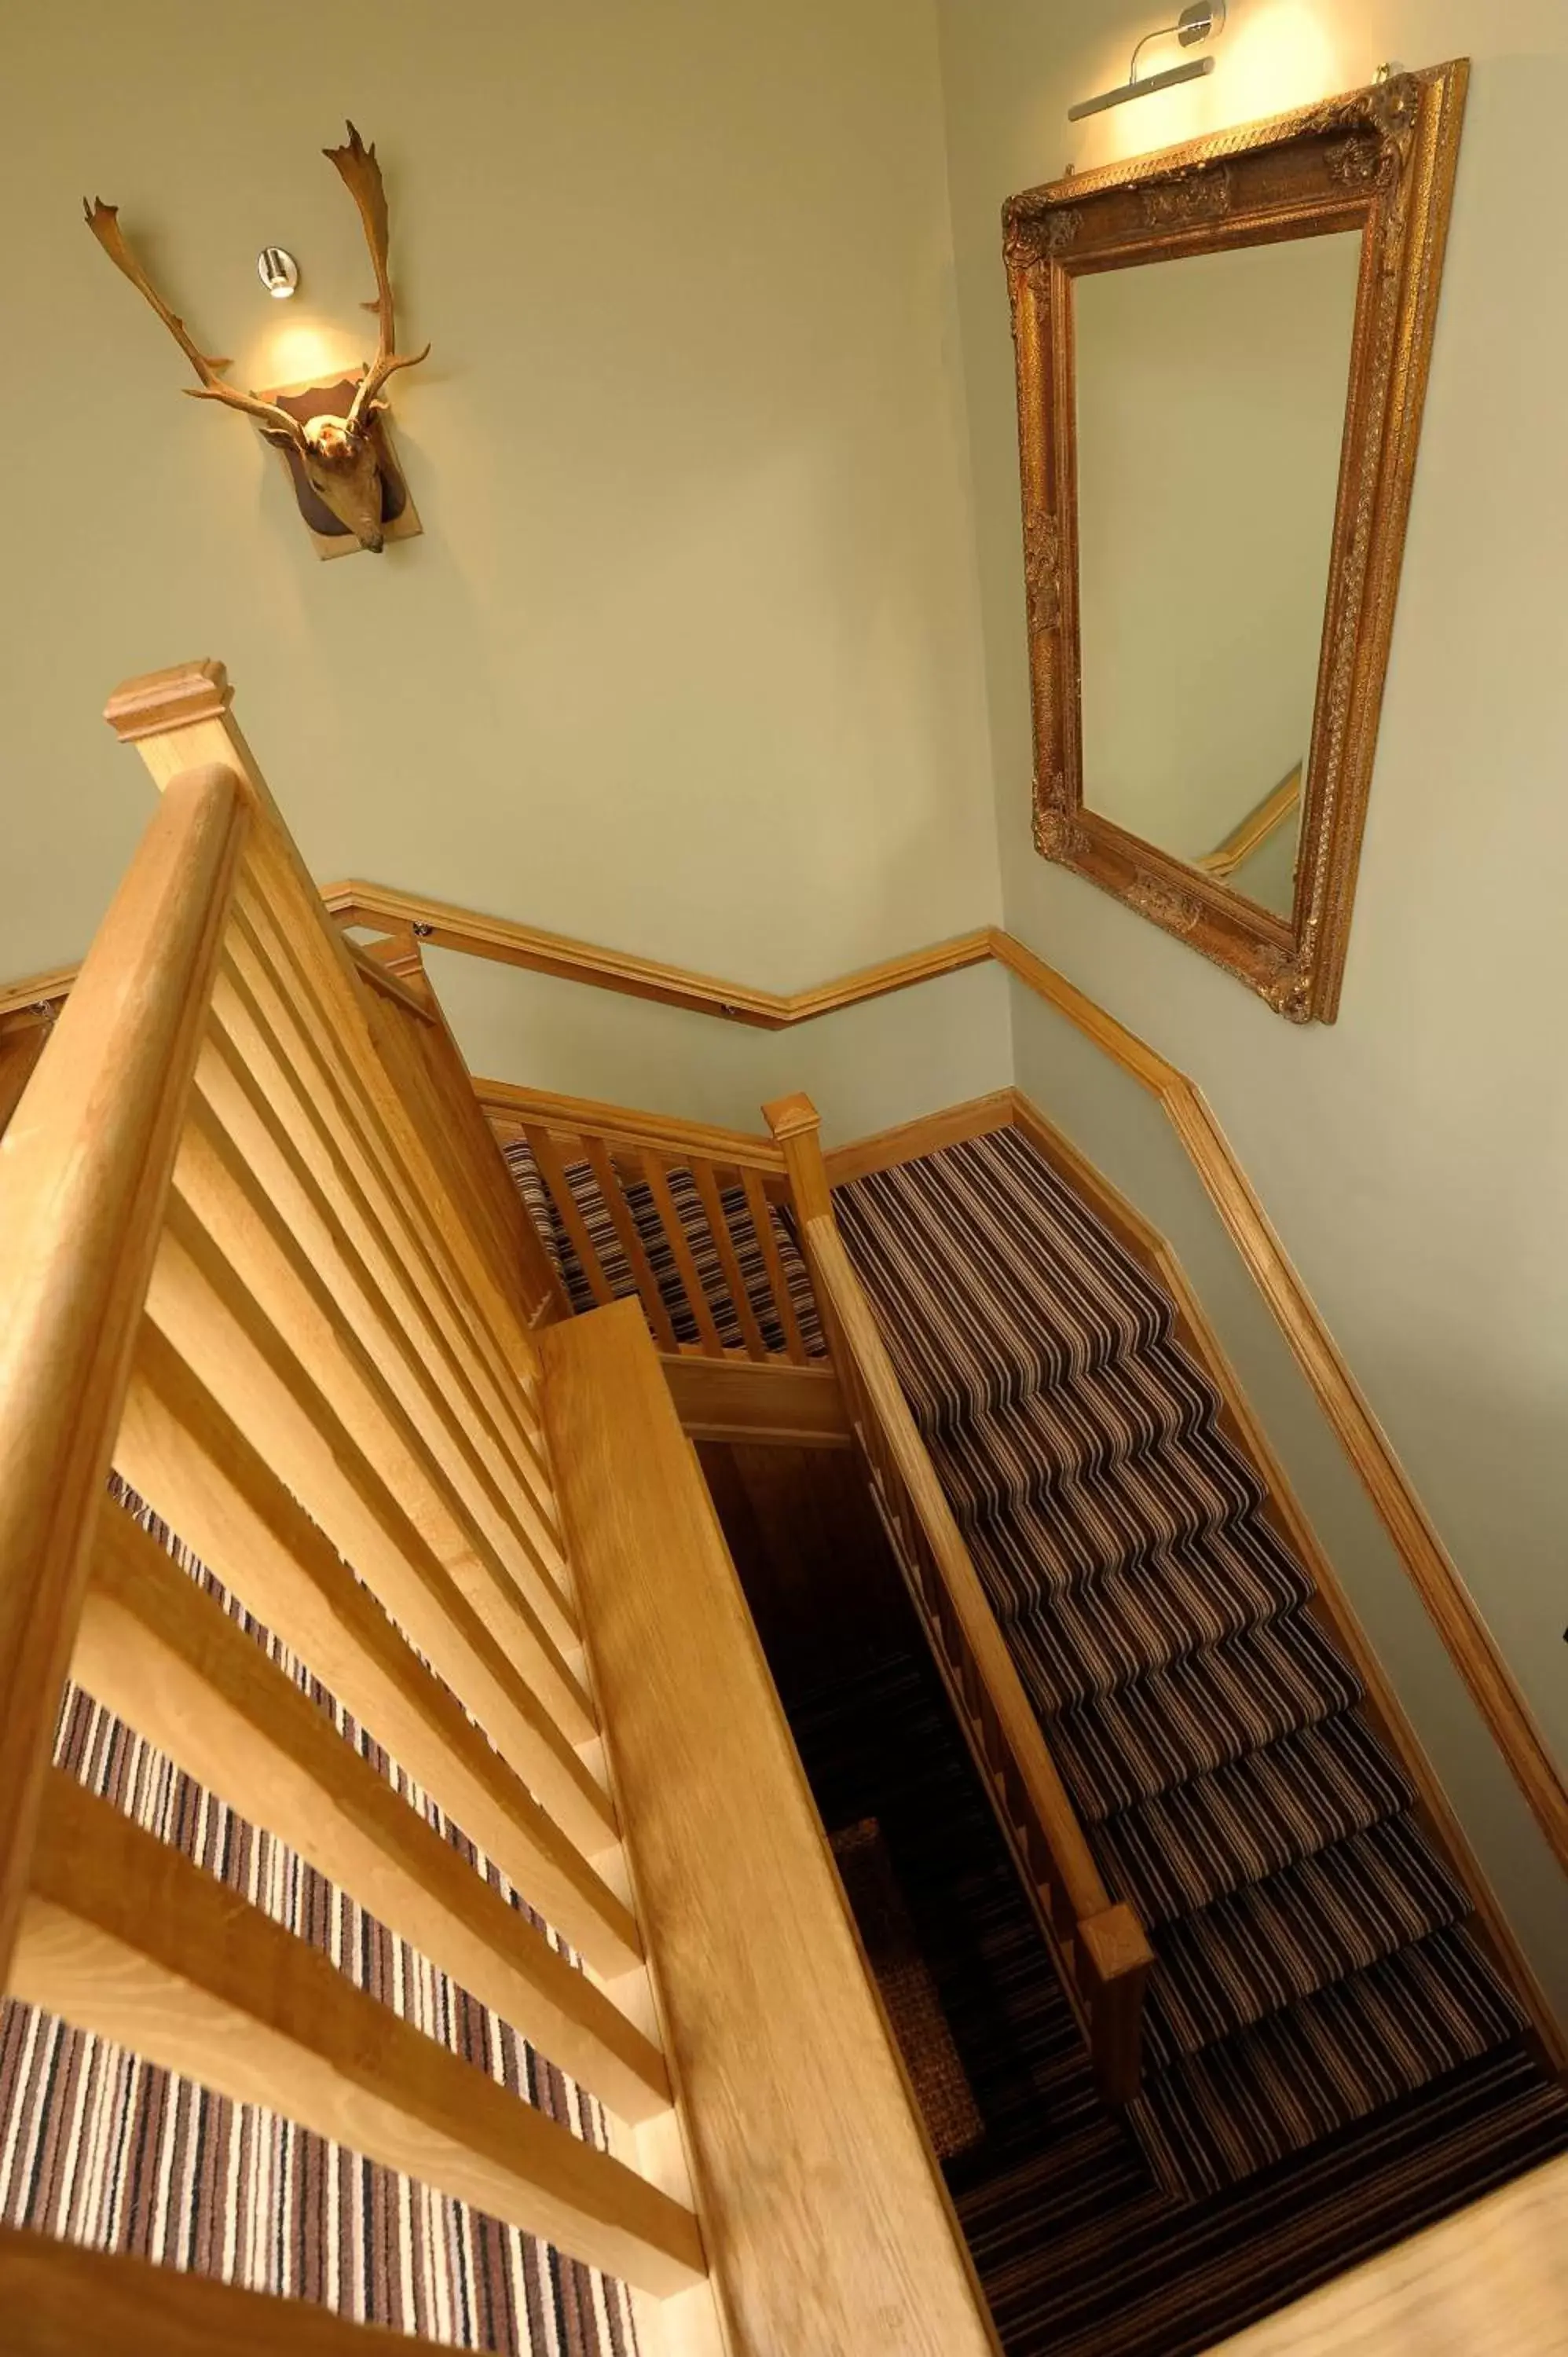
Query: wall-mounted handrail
[[1100, 1944]]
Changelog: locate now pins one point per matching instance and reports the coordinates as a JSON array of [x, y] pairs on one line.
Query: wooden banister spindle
[[124, 1936], [314, 1092], [547, 1161], [760, 1211], [656, 1171], [212, 1322], [718, 1221], [180, 717], [83, 1180], [166, 1658], [233, 1511], [608, 1179]]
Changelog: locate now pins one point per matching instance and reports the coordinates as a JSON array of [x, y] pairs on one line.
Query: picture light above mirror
[[1201, 22], [1222, 353]]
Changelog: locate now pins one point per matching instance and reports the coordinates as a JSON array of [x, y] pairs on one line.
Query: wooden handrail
[[823, 2205], [513, 1110], [1099, 1944], [84, 1172]]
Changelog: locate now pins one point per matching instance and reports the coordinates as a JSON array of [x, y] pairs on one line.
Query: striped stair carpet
[[698, 1234], [1314, 1966], [1082, 2251], [98, 2147]]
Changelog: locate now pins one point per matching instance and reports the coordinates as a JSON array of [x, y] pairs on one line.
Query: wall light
[[1203, 22], [278, 272]]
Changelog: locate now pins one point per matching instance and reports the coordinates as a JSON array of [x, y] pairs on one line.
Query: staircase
[[1330, 2059], [1314, 1961]]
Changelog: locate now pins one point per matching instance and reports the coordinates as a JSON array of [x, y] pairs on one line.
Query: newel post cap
[[162, 701], [792, 1116]]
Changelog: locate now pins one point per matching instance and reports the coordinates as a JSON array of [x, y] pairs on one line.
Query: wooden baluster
[[632, 1242], [84, 1179], [123, 1935], [708, 1193], [325, 1086], [215, 1325], [655, 1170], [232, 1509], [60, 2301], [548, 1162], [343, 1347], [165, 1657], [767, 1243], [368, 1295]]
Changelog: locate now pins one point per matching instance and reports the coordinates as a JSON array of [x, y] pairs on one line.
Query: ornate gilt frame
[[1381, 160]]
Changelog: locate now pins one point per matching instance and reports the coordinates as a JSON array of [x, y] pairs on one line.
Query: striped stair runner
[[1314, 1966], [1082, 2251]]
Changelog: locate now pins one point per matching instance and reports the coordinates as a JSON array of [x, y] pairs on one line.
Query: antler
[[103, 221], [361, 175]]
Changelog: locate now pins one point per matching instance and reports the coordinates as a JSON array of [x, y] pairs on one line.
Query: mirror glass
[[1211, 395]]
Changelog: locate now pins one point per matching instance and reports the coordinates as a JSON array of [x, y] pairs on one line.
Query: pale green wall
[[867, 1068], [1414, 1156], [688, 659]]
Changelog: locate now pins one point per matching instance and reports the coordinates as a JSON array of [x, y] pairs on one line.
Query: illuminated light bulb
[[278, 272]]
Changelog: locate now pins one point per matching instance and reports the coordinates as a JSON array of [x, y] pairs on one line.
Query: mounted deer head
[[339, 455]]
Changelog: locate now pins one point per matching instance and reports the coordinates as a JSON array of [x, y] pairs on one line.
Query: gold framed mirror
[[1222, 353]]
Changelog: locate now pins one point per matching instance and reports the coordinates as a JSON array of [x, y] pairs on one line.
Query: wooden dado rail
[[241, 1262], [735, 1177], [1104, 1957]]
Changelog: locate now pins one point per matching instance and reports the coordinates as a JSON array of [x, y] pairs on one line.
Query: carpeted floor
[[98, 2147], [1314, 1966]]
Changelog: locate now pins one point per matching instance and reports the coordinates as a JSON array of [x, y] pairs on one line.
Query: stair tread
[[1132, 1406], [1212, 2118], [1184, 1849], [1201, 1712], [966, 1331], [1101, 1634], [1273, 1942]]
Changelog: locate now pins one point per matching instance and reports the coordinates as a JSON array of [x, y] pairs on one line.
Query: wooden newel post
[[1115, 1961], [797, 1126]]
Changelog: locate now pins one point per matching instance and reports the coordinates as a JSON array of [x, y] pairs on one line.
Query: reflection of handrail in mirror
[[1255, 828]]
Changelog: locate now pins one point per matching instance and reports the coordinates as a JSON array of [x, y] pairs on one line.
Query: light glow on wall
[[303, 351], [1281, 53], [1276, 54]]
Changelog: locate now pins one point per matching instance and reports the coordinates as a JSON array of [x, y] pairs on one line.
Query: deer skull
[[338, 455]]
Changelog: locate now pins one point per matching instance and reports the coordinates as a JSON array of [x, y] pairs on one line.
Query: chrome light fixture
[[278, 272], [1203, 22]]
